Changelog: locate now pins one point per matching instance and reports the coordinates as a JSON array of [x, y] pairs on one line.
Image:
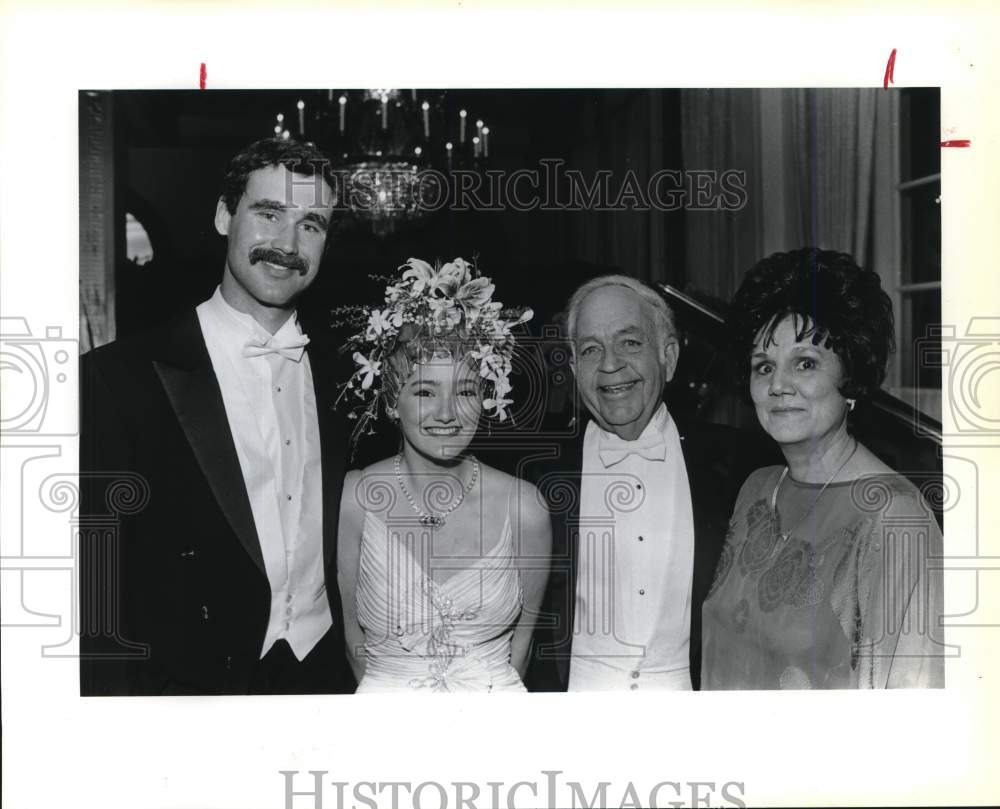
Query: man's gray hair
[[663, 316]]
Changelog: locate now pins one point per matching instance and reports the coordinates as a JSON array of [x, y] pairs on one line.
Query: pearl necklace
[[785, 535], [435, 520]]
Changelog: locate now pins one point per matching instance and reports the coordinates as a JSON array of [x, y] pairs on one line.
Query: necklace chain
[[436, 520], [785, 535]]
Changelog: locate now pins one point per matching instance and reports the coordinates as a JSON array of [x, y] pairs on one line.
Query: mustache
[[291, 261]]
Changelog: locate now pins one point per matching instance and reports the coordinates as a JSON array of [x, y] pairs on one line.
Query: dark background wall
[[171, 148]]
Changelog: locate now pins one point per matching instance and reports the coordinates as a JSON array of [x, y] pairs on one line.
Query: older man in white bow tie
[[652, 500], [226, 578]]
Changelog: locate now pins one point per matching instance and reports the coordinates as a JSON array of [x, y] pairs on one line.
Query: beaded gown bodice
[[448, 635]]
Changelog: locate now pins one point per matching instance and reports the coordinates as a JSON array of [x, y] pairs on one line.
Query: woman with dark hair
[[430, 539], [823, 581]]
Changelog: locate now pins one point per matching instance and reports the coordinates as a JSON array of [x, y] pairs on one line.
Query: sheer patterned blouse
[[849, 599]]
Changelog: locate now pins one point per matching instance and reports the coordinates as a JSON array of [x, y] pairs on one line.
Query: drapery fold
[[808, 157]]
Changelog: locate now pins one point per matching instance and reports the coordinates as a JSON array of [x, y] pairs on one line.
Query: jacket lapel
[[569, 471], [706, 484], [333, 442], [185, 369]]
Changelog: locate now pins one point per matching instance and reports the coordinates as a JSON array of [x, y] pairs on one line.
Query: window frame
[[887, 247]]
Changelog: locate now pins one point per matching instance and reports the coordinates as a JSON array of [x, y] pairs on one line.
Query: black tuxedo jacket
[[718, 460], [174, 594]]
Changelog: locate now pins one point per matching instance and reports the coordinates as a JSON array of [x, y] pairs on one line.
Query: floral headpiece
[[449, 300]]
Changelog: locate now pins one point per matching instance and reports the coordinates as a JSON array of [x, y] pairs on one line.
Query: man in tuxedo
[[212, 467], [640, 503]]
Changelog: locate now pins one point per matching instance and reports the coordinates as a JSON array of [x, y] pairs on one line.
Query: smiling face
[[439, 407], [795, 387], [275, 242], [620, 362]]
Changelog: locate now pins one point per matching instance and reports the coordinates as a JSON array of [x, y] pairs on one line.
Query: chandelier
[[398, 149]]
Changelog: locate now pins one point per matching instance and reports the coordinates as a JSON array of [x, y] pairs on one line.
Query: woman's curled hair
[[833, 300]]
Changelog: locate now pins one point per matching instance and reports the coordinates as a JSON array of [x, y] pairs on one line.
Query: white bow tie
[[292, 349], [613, 449]]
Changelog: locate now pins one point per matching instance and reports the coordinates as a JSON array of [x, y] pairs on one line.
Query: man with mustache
[[215, 572]]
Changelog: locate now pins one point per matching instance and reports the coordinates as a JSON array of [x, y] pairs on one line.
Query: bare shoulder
[[531, 502], [351, 517], [867, 463], [371, 488], [500, 484], [528, 513]]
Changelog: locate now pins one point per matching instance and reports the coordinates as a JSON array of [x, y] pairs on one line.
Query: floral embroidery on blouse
[[833, 605], [741, 614], [762, 535], [725, 560], [791, 579]]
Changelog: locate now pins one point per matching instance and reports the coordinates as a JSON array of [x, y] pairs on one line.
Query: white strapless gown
[[421, 635]]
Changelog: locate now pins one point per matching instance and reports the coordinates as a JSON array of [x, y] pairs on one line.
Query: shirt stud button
[[634, 686], [288, 496], [642, 592], [635, 675], [288, 442], [642, 539]]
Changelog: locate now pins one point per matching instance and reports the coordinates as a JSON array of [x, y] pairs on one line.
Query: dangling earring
[[392, 413], [850, 404]]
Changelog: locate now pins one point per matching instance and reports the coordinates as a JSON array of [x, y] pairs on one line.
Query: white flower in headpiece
[[451, 276], [491, 311], [502, 385], [381, 322], [498, 406], [472, 296], [492, 365], [368, 370], [428, 302], [445, 314], [422, 273], [481, 350]]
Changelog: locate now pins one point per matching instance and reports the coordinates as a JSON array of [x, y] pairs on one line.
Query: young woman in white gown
[[442, 559]]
